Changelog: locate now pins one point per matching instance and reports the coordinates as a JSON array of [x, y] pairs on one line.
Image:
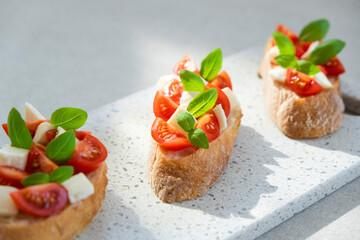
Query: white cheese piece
[[186, 98], [273, 52], [79, 187], [164, 81], [32, 114], [278, 74], [321, 78], [234, 102], [173, 120], [221, 117], [60, 131], [15, 157], [311, 48], [40, 136], [7, 205]]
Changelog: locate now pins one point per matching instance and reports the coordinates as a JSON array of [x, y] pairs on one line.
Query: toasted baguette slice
[[176, 176], [301, 117], [66, 225]]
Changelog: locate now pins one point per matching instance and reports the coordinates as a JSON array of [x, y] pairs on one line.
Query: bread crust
[[176, 176], [301, 117], [70, 222]]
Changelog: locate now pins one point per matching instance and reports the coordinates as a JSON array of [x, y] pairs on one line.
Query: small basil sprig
[[191, 81], [284, 44], [61, 148], [307, 68], [286, 61], [196, 136], [326, 51], [289, 61], [59, 175], [68, 118], [315, 30], [202, 102], [19, 134], [211, 65]]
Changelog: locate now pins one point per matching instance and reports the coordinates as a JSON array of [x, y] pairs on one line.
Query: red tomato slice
[[304, 45], [81, 134], [210, 125], [334, 67], [41, 200], [163, 107], [50, 134], [186, 63], [299, 52], [322, 68], [38, 161], [88, 156], [174, 91], [222, 80], [11, 176], [301, 83], [222, 99], [167, 136], [31, 125], [287, 32]]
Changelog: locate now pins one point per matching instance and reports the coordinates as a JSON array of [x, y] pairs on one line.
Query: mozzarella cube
[[164, 81], [32, 114], [7, 205], [173, 120], [278, 74], [311, 48], [79, 187], [60, 131], [221, 117], [234, 102], [321, 78], [40, 136], [273, 52], [15, 157], [186, 98]]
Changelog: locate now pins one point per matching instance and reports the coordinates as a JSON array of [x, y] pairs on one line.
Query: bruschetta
[[300, 80], [197, 120], [52, 176]]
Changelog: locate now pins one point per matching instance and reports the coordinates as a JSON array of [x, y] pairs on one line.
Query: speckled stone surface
[[269, 177]]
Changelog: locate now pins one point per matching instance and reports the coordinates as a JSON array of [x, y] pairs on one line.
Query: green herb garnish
[[61, 148], [284, 44], [61, 174], [35, 178], [19, 134], [307, 67], [68, 118], [186, 121], [326, 51], [202, 102], [286, 61], [191, 81], [315, 30], [211, 65]]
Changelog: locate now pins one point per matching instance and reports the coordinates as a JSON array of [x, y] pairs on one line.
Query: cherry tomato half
[[41, 200], [89, 154], [222, 80], [186, 63], [174, 91], [210, 125], [222, 99], [11, 176], [334, 67], [163, 107], [81, 134], [301, 83], [167, 136], [38, 161]]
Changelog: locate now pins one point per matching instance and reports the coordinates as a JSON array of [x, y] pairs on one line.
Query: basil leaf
[[211, 65], [326, 51], [61, 174], [197, 137], [202, 102], [19, 134], [186, 121], [68, 118], [315, 30], [307, 67], [284, 44], [35, 178], [286, 61], [191, 81], [61, 148]]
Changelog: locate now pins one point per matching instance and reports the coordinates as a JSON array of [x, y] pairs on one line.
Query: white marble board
[[269, 177]]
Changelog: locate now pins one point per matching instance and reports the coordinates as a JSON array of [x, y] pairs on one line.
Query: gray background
[[88, 53]]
